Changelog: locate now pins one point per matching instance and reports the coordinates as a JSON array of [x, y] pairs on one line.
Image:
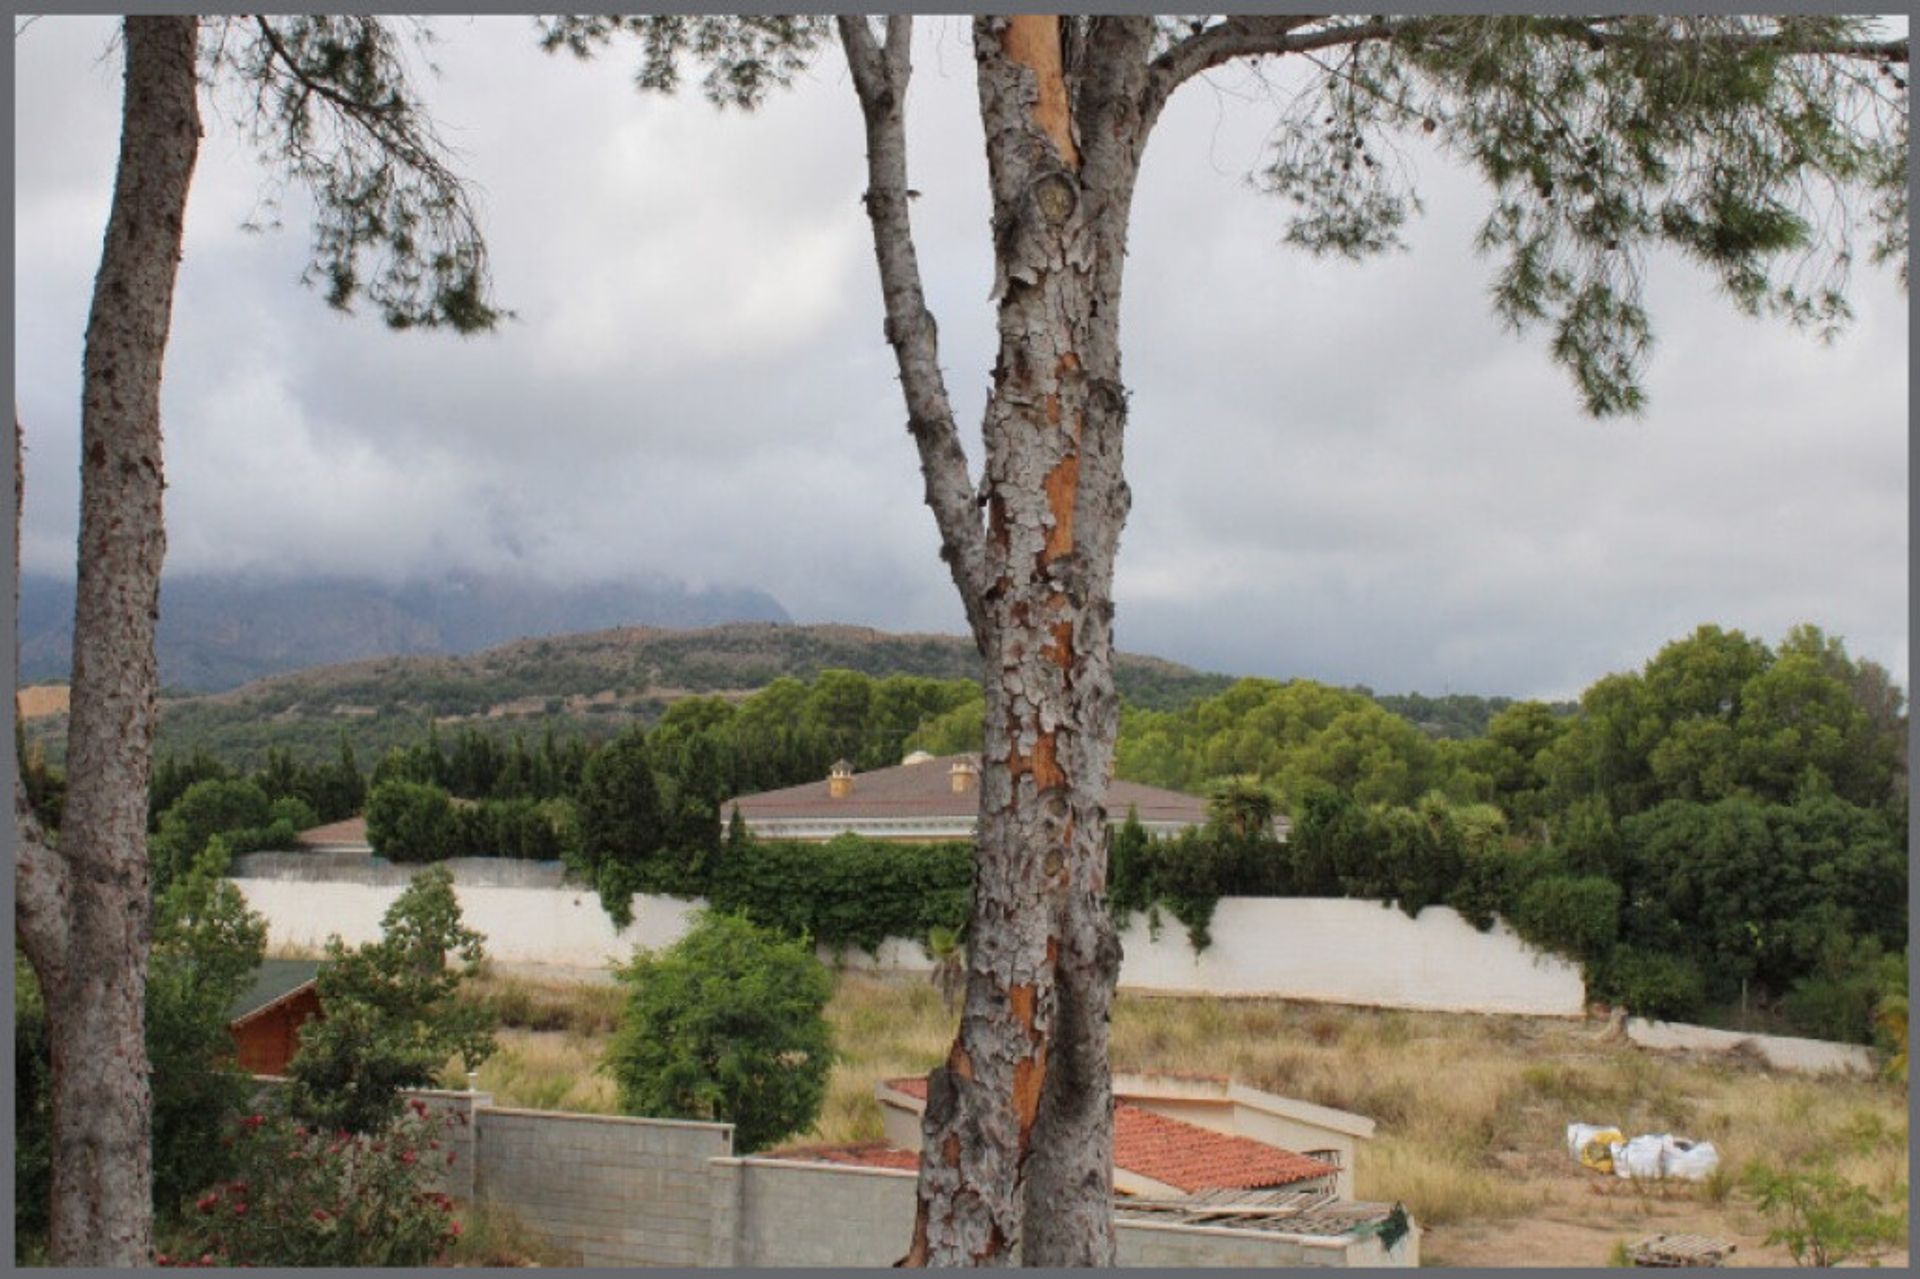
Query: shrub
[[391, 1017], [1837, 1000], [410, 821], [726, 1024], [32, 1110], [1824, 1219], [1650, 984], [206, 947], [1578, 916], [306, 1197], [207, 808]]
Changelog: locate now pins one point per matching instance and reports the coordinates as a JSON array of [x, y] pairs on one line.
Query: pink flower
[[449, 1159], [419, 1107], [253, 1121], [239, 1210], [162, 1259], [321, 1214], [206, 1202], [455, 1227], [407, 1157]]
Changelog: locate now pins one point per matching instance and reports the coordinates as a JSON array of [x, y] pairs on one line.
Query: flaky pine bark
[[83, 913], [1018, 1132]]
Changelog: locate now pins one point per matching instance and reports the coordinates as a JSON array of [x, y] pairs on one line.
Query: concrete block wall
[[780, 1213], [801, 1214], [458, 1109], [609, 1191]]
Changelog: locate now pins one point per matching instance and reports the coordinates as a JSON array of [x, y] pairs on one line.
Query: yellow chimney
[[840, 780], [965, 775]]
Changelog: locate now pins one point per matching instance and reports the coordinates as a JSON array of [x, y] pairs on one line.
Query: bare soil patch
[[41, 700]]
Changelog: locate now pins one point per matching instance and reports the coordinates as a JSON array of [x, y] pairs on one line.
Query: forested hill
[[599, 682], [594, 683], [631, 666], [221, 632]]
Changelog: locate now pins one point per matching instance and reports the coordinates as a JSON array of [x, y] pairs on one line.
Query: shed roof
[[1183, 1155], [275, 980]]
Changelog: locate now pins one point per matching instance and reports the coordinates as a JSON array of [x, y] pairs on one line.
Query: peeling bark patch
[[1063, 490], [1059, 648], [1046, 767], [1020, 995], [1034, 42]]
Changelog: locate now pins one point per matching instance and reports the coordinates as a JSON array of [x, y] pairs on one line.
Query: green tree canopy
[[726, 1024], [391, 1017]]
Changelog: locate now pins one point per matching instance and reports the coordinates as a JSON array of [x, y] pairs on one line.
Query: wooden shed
[[265, 1021]]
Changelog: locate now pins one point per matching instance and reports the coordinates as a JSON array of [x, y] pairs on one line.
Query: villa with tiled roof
[[925, 798]]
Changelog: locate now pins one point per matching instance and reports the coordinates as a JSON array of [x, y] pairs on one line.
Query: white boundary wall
[[1782, 1052], [1331, 949]]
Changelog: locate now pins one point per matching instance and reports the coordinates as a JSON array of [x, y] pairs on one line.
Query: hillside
[[221, 632], [594, 683]]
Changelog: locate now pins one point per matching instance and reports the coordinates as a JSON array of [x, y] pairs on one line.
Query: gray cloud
[[1349, 472]]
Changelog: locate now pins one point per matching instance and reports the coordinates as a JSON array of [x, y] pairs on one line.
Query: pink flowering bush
[[303, 1197]]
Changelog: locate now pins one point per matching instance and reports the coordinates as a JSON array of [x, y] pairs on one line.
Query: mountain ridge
[[221, 632]]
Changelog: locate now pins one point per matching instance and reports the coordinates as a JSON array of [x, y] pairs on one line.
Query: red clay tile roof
[[926, 790], [1184, 1155], [862, 1154]]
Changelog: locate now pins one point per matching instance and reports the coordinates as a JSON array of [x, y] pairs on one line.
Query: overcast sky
[[1344, 472]]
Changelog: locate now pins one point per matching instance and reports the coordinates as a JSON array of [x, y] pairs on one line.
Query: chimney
[[965, 776], [840, 780]]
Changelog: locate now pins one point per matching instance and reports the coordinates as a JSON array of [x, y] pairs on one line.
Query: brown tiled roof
[[926, 790], [861, 1154], [1186, 1156]]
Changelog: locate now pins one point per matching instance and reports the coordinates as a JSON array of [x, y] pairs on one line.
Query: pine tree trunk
[[1018, 1132], [95, 977]]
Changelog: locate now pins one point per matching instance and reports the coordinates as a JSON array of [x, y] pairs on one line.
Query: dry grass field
[[1472, 1110], [37, 701]]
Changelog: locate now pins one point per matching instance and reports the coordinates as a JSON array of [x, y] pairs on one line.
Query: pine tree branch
[[880, 78], [1245, 37]]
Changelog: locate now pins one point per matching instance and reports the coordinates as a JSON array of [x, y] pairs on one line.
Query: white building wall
[[1340, 951]]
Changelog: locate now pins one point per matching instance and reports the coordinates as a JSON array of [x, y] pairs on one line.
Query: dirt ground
[[1582, 1215]]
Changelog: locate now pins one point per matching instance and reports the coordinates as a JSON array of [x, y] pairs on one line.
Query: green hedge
[[848, 891]]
